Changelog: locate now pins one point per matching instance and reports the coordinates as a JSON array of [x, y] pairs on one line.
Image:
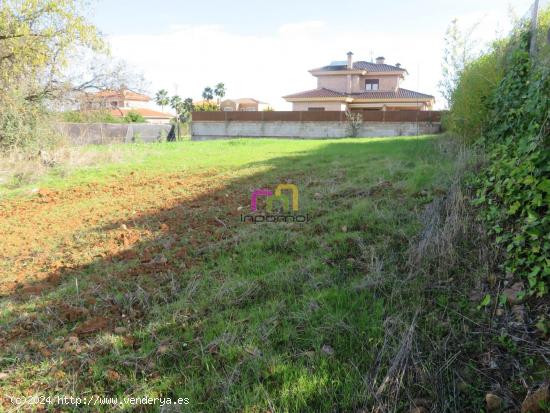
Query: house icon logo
[[285, 196]]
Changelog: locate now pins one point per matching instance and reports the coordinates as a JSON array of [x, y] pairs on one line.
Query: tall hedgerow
[[513, 190], [469, 101]]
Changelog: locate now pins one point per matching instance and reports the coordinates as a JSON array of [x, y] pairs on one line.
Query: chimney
[[398, 65], [350, 60], [380, 60]]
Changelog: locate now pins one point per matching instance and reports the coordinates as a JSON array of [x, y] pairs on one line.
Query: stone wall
[[203, 130], [105, 133]]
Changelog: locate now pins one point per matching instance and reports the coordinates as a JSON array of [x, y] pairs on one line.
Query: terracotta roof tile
[[362, 65], [399, 94], [378, 94], [317, 93], [122, 94], [146, 113]]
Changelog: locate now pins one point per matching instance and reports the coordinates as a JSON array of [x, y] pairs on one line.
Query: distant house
[[120, 102], [243, 105], [364, 85], [150, 115]]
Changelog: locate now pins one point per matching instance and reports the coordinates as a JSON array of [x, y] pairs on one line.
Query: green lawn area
[[193, 156], [279, 317]]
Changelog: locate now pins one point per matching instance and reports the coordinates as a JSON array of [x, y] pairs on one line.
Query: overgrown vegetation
[[500, 107], [35, 40], [101, 116], [21, 121], [514, 189], [502, 103], [39, 41], [176, 297]]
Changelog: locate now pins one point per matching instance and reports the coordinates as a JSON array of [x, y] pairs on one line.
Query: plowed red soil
[[55, 231]]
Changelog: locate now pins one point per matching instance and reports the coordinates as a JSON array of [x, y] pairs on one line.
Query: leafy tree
[[208, 94], [457, 53], [162, 99], [36, 40], [219, 91]]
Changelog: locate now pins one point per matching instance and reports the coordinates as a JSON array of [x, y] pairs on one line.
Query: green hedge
[[513, 191]]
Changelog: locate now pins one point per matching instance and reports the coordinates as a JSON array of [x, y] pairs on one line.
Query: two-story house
[[363, 85]]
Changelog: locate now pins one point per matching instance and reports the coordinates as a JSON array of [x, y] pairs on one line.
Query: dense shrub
[[101, 116], [469, 101], [96, 116], [206, 107], [513, 191], [134, 117], [23, 125]]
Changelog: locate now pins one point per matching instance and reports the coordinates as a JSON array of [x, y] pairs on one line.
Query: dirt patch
[[55, 231], [92, 326]]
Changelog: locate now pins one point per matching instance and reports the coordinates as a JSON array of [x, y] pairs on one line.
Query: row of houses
[[121, 102], [341, 85]]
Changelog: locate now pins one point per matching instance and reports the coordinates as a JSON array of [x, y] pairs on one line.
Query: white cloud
[[268, 67]]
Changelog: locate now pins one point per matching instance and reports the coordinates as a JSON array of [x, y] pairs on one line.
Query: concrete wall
[[105, 133], [204, 130]]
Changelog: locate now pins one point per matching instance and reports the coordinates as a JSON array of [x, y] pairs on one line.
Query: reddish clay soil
[[59, 231]]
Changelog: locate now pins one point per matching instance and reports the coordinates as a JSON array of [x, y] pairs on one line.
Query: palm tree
[[219, 91], [188, 105], [208, 94], [175, 102], [161, 98]]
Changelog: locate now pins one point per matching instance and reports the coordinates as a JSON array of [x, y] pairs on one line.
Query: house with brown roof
[[119, 102], [362, 85], [243, 105]]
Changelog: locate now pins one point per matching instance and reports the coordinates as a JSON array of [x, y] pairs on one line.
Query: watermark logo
[[285, 197]]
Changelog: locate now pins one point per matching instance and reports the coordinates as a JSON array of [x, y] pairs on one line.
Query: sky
[[264, 49]]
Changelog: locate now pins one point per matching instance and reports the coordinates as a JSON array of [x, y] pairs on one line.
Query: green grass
[[267, 317], [193, 156]]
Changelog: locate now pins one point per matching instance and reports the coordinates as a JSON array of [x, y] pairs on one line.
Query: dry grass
[[418, 365], [19, 168], [446, 350]]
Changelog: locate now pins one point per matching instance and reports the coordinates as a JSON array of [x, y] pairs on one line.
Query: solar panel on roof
[[338, 63]]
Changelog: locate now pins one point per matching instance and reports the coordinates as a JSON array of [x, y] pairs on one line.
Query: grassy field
[[137, 278]]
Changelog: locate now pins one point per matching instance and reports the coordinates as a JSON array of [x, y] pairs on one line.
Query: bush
[[134, 117], [92, 116], [469, 101], [206, 107], [24, 125]]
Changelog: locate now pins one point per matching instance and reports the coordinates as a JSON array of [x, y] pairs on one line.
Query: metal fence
[[106, 133], [321, 116]]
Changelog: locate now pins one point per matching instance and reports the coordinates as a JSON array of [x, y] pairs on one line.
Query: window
[[371, 84], [315, 109]]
